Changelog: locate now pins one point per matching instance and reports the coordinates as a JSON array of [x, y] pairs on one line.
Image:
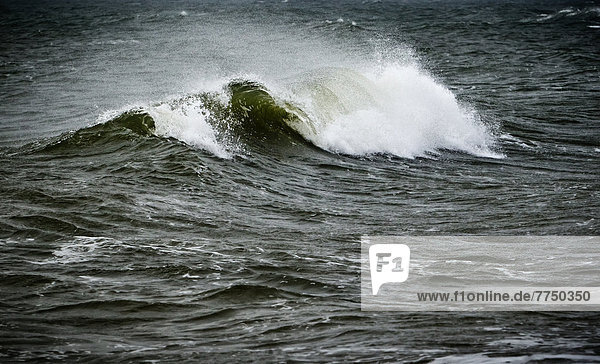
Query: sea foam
[[397, 110], [188, 123]]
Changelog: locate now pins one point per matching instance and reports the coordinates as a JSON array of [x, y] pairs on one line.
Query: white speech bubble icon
[[389, 263]]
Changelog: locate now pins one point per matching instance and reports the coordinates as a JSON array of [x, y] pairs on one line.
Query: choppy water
[[190, 180]]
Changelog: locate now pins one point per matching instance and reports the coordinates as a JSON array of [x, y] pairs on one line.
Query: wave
[[396, 110], [587, 13], [340, 23]]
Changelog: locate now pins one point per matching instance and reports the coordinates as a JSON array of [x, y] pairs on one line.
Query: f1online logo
[[389, 263]]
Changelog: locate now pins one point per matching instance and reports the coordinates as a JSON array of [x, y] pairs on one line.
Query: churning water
[[187, 180]]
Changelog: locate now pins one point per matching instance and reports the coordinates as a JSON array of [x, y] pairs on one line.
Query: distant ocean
[[190, 180]]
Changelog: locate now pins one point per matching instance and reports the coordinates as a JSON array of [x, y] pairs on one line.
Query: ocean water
[[190, 180]]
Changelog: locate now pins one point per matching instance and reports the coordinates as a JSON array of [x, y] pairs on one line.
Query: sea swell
[[396, 110]]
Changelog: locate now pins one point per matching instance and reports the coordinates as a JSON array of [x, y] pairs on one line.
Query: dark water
[[190, 180]]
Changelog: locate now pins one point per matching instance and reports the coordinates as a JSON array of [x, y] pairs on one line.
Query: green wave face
[[125, 128], [260, 115]]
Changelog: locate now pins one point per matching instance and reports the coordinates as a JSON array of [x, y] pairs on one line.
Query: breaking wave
[[397, 110], [591, 13]]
